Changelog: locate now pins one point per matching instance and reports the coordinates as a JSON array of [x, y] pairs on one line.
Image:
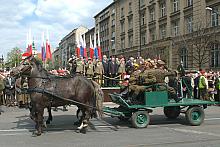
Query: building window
[[142, 18], [214, 17], [130, 7], [162, 31], [130, 41], [122, 27], [130, 23], [113, 22], [122, 12], [122, 43], [113, 34], [113, 11], [152, 34], [189, 3], [215, 55], [163, 9], [142, 3], [143, 38], [152, 14], [175, 28], [175, 5], [189, 24], [184, 57]]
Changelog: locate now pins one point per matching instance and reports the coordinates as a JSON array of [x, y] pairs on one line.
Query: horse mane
[[40, 66]]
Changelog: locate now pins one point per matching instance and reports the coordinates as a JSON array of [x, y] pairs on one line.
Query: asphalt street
[[16, 131]]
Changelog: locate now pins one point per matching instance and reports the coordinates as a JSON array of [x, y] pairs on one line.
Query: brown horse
[[43, 88]]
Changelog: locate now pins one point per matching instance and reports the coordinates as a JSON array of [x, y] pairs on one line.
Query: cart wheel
[[172, 112], [195, 115], [140, 119]]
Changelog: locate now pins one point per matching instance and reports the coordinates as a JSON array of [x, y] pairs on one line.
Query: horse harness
[[51, 94]]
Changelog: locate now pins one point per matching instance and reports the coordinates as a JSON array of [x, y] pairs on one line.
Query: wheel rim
[[141, 119], [196, 116]]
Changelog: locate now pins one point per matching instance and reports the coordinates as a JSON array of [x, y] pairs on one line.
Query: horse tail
[[99, 98]]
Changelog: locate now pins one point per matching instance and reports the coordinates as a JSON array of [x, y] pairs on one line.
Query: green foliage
[[14, 57]]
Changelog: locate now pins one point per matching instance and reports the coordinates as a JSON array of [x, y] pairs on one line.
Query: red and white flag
[[48, 48], [84, 46], [91, 48], [99, 48]]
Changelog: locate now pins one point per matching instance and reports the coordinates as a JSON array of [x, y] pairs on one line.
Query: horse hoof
[[83, 130], [77, 131], [36, 133]]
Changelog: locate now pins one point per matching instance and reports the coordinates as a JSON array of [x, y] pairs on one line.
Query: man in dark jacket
[[105, 67], [113, 67], [10, 90]]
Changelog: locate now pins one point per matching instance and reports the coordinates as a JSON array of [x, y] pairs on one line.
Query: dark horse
[[46, 91]]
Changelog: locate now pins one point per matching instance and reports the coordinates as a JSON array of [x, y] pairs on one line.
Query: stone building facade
[[166, 29], [68, 44]]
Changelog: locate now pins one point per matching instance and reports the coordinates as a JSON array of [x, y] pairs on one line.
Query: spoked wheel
[[140, 119], [172, 112], [195, 115]]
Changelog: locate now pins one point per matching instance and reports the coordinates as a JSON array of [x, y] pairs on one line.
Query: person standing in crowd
[[121, 68], [80, 68], [217, 87], [113, 71], [196, 86], [203, 86], [2, 87], [73, 65], [187, 86], [106, 70], [129, 65], [89, 68], [10, 90], [99, 70]]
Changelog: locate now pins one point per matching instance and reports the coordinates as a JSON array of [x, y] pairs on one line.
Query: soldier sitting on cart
[[147, 76]]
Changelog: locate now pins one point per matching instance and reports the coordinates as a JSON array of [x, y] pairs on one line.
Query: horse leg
[[78, 116], [85, 121], [39, 122], [50, 117]]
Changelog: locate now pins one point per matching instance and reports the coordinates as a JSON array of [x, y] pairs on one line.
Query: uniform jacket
[[99, 68]]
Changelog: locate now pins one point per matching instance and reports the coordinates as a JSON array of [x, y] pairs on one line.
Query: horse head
[[27, 67]]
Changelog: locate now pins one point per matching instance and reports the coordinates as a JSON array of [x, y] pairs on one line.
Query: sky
[[59, 17]]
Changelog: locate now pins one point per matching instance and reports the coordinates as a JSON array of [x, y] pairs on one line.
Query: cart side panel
[[156, 98]]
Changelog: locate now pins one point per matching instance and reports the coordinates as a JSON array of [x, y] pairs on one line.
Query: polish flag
[[91, 49], [84, 46], [99, 48]]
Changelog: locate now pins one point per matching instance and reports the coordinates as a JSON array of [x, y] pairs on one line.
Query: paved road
[[16, 131]]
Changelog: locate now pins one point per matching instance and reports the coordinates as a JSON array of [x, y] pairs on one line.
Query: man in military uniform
[[99, 70], [80, 68], [73, 65], [89, 68], [138, 80]]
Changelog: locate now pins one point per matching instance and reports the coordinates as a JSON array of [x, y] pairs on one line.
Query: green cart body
[[139, 114]]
